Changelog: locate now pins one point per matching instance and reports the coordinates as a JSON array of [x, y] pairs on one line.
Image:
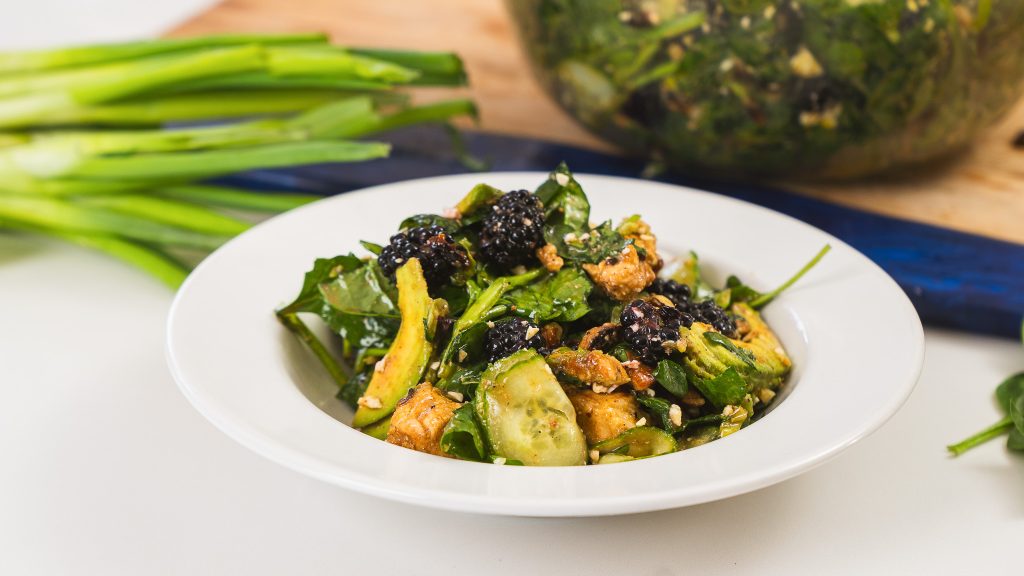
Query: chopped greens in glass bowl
[[802, 89]]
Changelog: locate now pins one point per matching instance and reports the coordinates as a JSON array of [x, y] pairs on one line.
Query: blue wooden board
[[955, 280]]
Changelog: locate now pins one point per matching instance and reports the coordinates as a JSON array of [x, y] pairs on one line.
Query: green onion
[[62, 216], [136, 192], [35, 61], [222, 197]]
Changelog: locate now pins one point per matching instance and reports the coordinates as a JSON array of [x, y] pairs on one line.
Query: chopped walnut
[[548, 256]]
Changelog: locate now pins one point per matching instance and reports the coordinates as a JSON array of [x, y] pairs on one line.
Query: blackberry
[[510, 336], [438, 254], [513, 230], [709, 313], [678, 293], [650, 328]]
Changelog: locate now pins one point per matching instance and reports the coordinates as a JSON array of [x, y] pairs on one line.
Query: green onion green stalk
[[108, 146]]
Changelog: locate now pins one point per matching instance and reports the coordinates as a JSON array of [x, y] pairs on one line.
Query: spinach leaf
[[1009, 390], [659, 409], [463, 380], [450, 225], [689, 273], [562, 297], [1010, 397], [590, 247], [725, 389], [739, 291], [746, 355], [356, 304], [371, 247], [353, 297], [463, 436], [355, 387], [672, 377], [565, 203]]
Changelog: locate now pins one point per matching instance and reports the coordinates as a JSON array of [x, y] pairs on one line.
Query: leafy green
[[672, 376], [757, 87], [746, 355], [1010, 397], [463, 436], [589, 247], [726, 389], [463, 380], [353, 297], [450, 225], [561, 296], [565, 204], [659, 409]]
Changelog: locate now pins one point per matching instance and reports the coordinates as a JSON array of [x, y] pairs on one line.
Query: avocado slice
[[404, 364], [759, 356], [526, 414]]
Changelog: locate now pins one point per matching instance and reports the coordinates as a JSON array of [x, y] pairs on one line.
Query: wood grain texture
[[980, 190]]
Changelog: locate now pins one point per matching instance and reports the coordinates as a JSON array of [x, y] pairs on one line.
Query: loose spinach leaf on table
[[561, 296], [725, 389], [463, 437], [1010, 397]]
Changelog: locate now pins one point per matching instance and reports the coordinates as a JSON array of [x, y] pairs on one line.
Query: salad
[[513, 330], [793, 88]]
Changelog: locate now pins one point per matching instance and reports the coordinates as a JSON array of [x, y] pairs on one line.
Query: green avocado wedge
[[526, 414], [404, 364]]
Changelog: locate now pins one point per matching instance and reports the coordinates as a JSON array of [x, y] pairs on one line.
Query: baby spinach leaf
[[1010, 397], [463, 380], [561, 296], [740, 291], [672, 376], [725, 389], [746, 355], [355, 387], [372, 248], [450, 225], [463, 437], [564, 201], [659, 409], [357, 306], [590, 247], [1009, 390]]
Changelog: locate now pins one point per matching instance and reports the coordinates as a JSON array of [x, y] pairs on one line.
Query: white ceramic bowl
[[855, 339]]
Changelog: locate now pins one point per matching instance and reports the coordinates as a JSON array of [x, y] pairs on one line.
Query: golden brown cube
[[420, 418]]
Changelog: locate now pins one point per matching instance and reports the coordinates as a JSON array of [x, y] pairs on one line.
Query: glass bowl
[[815, 89]]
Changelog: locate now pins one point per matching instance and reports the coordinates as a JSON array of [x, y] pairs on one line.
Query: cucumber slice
[[640, 442], [526, 414]]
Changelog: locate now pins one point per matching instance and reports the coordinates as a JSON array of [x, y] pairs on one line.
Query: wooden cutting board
[[980, 191]]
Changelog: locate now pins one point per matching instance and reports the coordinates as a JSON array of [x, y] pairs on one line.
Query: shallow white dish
[[855, 339]]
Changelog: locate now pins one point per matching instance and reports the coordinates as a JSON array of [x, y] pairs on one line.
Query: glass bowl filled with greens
[[800, 89], [513, 330]]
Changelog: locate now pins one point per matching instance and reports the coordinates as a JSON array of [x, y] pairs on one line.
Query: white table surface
[[106, 469]]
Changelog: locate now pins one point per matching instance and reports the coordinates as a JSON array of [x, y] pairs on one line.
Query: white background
[[105, 468]]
